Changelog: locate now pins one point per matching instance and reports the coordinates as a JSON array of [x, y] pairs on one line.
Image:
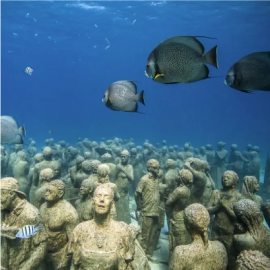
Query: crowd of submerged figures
[[103, 205]]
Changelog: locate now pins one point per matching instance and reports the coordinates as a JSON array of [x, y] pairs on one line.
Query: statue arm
[[214, 203], [138, 195], [175, 262], [173, 197], [35, 177]]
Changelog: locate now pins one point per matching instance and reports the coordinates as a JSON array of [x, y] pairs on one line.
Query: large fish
[[10, 132], [122, 96], [180, 59], [252, 72]]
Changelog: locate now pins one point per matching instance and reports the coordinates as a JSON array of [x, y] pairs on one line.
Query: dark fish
[[251, 72], [28, 231], [10, 132], [180, 59], [122, 96]]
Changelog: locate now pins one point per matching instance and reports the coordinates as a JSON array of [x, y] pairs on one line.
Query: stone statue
[[13, 157], [124, 176], [256, 237], [201, 253], [16, 212], [267, 173], [94, 168], [20, 172], [107, 159], [220, 163], [84, 204], [252, 260], [102, 243], [164, 156], [249, 187], [32, 150], [210, 158], [60, 218], [103, 179], [34, 186], [48, 162], [178, 201], [248, 156], [221, 205], [147, 198], [202, 154], [255, 165], [83, 173], [4, 161], [266, 212], [140, 261], [203, 185], [45, 177], [187, 151], [136, 160]]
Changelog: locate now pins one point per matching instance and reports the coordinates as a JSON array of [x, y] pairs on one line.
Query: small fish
[[27, 14], [10, 132], [28, 231], [50, 132], [252, 72], [122, 96], [180, 59], [133, 22], [28, 70]]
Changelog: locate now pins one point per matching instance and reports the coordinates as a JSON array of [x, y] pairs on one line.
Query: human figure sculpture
[[101, 243], [136, 160], [147, 198], [107, 159], [4, 161], [203, 184], [124, 176], [16, 212], [202, 155], [180, 160], [83, 173], [266, 212], [187, 151], [48, 162], [32, 150], [84, 205], [177, 201], [164, 156], [249, 187], [75, 170], [252, 260], [210, 158], [201, 253], [20, 172], [255, 165], [72, 154], [103, 179], [172, 153], [256, 237], [13, 157], [33, 186], [220, 163], [140, 260], [60, 218], [221, 205], [248, 156], [266, 183], [94, 169], [45, 177]]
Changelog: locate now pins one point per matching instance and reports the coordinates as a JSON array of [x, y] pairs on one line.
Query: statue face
[[256, 185], [124, 159], [51, 193], [84, 189], [154, 169], [103, 201], [227, 180], [7, 197]]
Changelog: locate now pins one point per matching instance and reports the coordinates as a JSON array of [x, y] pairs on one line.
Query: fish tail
[[211, 57], [39, 228], [141, 97], [22, 130]]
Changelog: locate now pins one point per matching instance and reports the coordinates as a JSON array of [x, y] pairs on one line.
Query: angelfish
[[252, 72], [28, 231], [180, 59], [122, 96]]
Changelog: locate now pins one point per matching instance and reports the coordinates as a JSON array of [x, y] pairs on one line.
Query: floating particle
[[15, 34], [108, 41], [28, 70], [94, 46], [107, 47], [96, 26], [49, 38], [36, 35], [34, 20], [27, 14], [133, 22]]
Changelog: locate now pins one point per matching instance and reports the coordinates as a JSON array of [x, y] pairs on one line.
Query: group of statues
[[102, 206]]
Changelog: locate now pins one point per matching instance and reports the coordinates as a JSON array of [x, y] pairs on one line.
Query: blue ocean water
[[64, 42]]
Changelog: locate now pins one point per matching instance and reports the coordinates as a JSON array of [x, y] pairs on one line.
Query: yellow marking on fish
[[111, 100], [159, 75]]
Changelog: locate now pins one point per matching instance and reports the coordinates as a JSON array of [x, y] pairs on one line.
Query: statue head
[[153, 167], [230, 180], [170, 164], [164, 150], [250, 185], [79, 161], [209, 147], [87, 166], [38, 158], [87, 187], [234, 147], [176, 148], [171, 149], [164, 142], [9, 192], [87, 155], [202, 150], [221, 145], [47, 153], [139, 149], [56, 167], [124, 157], [55, 191], [46, 175], [252, 260], [103, 173], [249, 147], [21, 155], [133, 152], [18, 147], [185, 177], [186, 147], [256, 149], [103, 200], [106, 158], [94, 166], [32, 143], [197, 220]]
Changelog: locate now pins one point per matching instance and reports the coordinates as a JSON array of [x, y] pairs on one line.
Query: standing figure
[[124, 176], [255, 165], [178, 201], [16, 212], [220, 163], [60, 218], [147, 198], [201, 253], [102, 243]]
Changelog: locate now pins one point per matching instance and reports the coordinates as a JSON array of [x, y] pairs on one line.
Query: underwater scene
[[135, 135]]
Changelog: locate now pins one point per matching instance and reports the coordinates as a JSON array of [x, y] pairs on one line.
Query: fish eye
[[148, 65]]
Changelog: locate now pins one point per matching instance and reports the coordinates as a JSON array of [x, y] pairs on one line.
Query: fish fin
[[22, 130], [211, 57], [39, 228], [159, 75], [140, 112], [202, 74], [19, 139], [247, 91], [140, 97]]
